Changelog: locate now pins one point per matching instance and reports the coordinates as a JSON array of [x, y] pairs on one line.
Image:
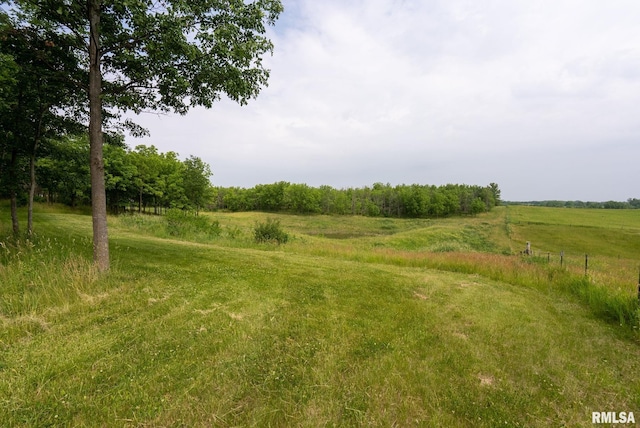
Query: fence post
[[561, 257], [638, 285], [586, 264]]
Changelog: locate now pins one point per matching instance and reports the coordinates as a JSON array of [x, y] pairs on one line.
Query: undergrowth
[[174, 224], [185, 224]]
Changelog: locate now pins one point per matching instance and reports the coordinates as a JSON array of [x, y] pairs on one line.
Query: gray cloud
[[435, 92]]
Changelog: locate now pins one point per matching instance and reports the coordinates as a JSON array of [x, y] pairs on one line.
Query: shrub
[[185, 224], [270, 231]]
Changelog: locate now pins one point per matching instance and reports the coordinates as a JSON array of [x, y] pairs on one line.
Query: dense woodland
[[146, 180], [378, 200]]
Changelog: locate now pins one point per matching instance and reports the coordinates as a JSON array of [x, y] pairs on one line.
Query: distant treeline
[[412, 201], [631, 203], [146, 180]]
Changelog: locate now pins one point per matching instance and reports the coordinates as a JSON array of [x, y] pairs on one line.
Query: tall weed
[[175, 223], [186, 225], [609, 301], [41, 273]]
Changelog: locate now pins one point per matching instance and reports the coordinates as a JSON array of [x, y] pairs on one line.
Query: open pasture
[[354, 322], [588, 231]]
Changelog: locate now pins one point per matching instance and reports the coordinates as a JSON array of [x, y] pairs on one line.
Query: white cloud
[[434, 92]]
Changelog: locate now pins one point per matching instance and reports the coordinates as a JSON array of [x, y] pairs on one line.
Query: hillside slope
[[334, 330]]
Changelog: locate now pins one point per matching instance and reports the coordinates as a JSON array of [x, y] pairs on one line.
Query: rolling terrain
[[355, 321]]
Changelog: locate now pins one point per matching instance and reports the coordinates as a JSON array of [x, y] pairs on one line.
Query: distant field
[[603, 232], [601, 218], [611, 239], [354, 322]]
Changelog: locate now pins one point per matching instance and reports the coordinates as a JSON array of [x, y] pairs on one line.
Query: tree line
[[631, 203], [146, 180], [412, 201], [140, 179]]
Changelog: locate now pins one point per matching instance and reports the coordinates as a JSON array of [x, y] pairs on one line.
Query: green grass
[[354, 322], [614, 233], [609, 219]]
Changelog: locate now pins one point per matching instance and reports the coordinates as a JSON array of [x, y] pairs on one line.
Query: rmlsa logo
[[613, 418]]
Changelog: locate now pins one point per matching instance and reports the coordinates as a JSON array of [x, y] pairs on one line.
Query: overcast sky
[[541, 97]]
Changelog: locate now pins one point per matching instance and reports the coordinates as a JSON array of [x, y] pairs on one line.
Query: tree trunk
[[98, 194], [32, 190], [14, 213], [13, 180], [32, 173]]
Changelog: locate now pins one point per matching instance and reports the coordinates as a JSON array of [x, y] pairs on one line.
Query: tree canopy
[[35, 103], [412, 201], [141, 179], [159, 55]]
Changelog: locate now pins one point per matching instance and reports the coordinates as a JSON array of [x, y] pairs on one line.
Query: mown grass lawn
[[348, 324]]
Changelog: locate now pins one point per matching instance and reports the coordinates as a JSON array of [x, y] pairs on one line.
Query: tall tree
[[495, 192], [38, 101], [196, 184], [170, 181], [162, 55], [147, 160], [120, 173]]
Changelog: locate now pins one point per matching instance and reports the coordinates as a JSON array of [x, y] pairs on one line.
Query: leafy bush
[[185, 224], [270, 231]]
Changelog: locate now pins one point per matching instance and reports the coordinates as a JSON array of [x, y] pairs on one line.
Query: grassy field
[[354, 322]]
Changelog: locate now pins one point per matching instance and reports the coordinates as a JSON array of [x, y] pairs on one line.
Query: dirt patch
[[486, 380]]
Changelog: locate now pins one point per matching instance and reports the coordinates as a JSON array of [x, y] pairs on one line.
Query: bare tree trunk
[[32, 173], [98, 195], [32, 190], [14, 213], [13, 180]]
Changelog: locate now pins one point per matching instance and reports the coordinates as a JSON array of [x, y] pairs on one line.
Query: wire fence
[[596, 268]]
